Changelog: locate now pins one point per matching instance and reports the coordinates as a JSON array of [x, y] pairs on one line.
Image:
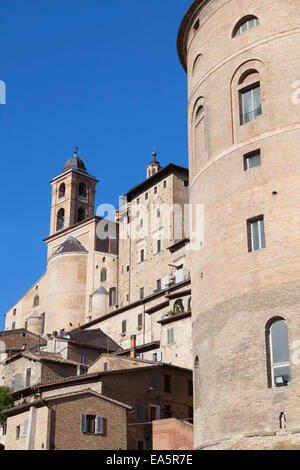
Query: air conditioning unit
[[182, 275]]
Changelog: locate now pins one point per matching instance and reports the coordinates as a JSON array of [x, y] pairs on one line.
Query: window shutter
[[159, 356], [99, 425], [83, 423]]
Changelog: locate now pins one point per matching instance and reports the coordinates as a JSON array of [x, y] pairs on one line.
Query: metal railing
[[252, 115]]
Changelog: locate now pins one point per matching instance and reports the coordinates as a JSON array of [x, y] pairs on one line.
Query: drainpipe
[[31, 429], [133, 346]]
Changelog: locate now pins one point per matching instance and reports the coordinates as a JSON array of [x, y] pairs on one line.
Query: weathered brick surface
[[236, 292], [172, 434], [58, 426], [67, 425], [136, 387]]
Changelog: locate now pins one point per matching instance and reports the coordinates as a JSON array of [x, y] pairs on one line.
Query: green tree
[[6, 401]]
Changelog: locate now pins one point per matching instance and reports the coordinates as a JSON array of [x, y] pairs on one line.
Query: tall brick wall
[[235, 292]]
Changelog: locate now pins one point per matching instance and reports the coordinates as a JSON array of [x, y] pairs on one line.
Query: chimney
[[133, 346]]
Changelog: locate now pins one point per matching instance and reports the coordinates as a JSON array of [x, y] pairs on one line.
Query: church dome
[[75, 163], [70, 245]]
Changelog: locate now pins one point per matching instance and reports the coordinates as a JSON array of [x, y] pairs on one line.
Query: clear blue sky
[[103, 74]]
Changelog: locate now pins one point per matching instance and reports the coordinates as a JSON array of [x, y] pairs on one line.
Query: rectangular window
[[250, 104], [139, 412], [13, 326], [15, 312], [167, 411], [142, 293], [18, 430], [138, 201], [155, 190], [153, 381], [83, 358], [158, 284], [124, 327], [112, 296], [140, 320], [28, 378], [127, 268], [158, 213], [186, 183], [158, 246], [105, 366], [167, 383], [90, 424], [171, 336], [25, 430], [157, 357], [256, 234], [142, 256], [42, 324], [146, 196], [251, 160], [165, 184]]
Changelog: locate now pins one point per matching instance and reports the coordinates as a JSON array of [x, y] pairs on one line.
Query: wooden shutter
[[99, 425], [83, 423]]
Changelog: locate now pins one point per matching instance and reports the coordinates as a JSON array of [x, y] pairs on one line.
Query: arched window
[[197, 63], [178, 306], [60, 219], [250, 96], [199, 114], [278, 352], [36, 301], [80, 214], [82, 190], [62, 191], [103, 275], [245, 24], [199, 137]]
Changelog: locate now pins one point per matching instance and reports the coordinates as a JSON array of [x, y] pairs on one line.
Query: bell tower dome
[[154, 166], [73, 195]]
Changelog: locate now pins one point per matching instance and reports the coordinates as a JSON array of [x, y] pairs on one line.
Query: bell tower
[[154, 166], [73, 195]]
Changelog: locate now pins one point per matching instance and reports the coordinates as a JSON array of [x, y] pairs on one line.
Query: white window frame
[[277, 365], [259, 221]]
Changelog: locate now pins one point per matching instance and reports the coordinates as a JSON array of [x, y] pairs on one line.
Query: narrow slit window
[[256, 234]]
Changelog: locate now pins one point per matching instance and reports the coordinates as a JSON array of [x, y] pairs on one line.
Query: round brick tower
[[242, 60]]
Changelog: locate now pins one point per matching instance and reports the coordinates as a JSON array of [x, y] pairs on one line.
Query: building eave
[[182, 33]]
